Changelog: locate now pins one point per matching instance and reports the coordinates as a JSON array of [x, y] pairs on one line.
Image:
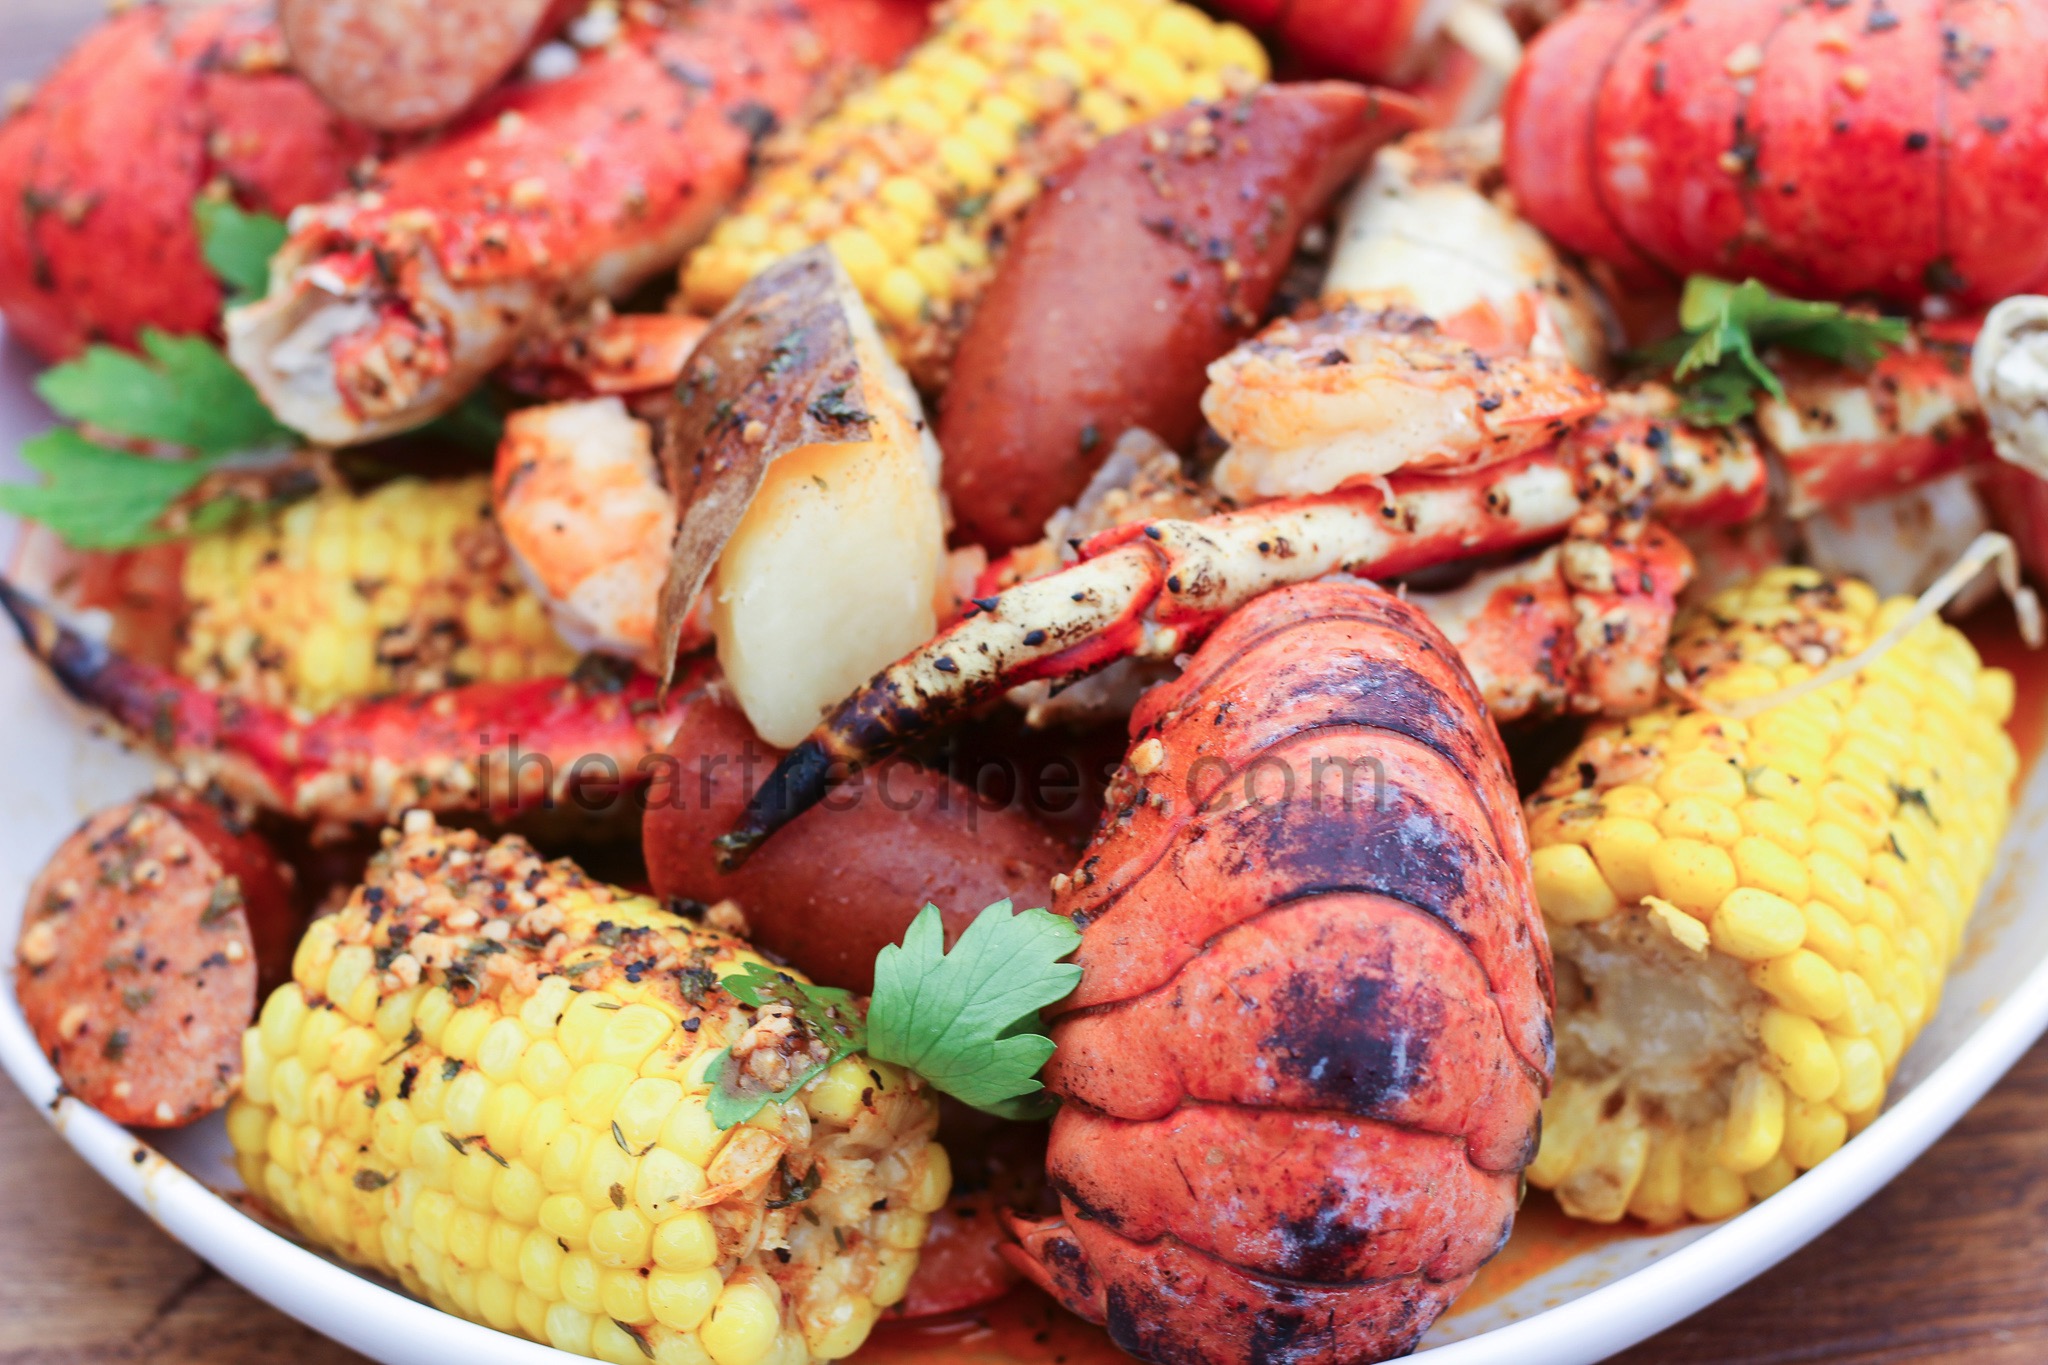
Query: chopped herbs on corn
[[914, 180], [487, 1079], [407, 588], [1752, 918]]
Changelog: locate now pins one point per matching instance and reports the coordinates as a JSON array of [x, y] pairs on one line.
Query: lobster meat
[[1829, 148], [100, 168], [1302, 1070], [387, 305]]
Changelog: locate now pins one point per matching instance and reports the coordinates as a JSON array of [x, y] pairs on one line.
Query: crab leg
[[1846, 438], [1153, 589], [484, 746], [1580, 627], [386, 306]]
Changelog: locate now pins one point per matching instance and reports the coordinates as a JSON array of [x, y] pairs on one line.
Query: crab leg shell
[[1845, 438], [482, 746], [386, 307], [1153, 589]]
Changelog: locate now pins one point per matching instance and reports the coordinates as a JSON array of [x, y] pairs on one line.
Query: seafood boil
[[820, 663]]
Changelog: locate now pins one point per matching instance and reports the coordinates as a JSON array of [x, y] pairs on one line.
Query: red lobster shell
[[1303, 1068], [1828, 147], [99, 169]]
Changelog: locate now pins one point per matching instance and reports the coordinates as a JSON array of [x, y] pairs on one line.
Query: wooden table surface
[[1948, 1264]]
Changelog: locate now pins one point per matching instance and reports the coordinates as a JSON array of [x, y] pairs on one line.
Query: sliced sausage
[[145, 942], [402, 65]]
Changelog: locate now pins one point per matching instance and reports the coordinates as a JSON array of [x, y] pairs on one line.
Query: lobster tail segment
[[1302, 1070]]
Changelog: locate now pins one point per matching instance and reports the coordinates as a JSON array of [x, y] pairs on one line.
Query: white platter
[[53, 772]]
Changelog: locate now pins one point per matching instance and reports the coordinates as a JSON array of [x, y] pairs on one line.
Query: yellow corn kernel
[[1694, 876], [1659, 1196], [1800, 1054], [1829, 935], [686, 1241], [1862, 1066], [1814, 1131], [1704, 775], [1755, 1126], [1569, 886], [1768, 867], [1714, 1192], [1803, 982], [1701, 818], [1633, 801], [1751, 925], [1773, 1176], [742, 1325], [682, 1299]]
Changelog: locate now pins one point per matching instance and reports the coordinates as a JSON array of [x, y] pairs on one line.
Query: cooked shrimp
[[1355, 394], [583, 508]]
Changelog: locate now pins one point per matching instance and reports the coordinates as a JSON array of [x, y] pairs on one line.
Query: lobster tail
[[1302, 1070]]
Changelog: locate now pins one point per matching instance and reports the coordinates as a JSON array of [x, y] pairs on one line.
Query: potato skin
[[846, 878], [140, 966], [1136, 268]]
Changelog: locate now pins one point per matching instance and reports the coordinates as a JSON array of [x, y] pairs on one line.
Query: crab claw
[[1152, 589], [500, 747]]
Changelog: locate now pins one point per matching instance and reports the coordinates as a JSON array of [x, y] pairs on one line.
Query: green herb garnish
[[966, 1021], [1717, 360], [823, 1013], [237, 246], [182, 392]]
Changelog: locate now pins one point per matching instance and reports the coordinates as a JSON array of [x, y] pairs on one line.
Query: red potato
[[148, 941], [404, 65], [99, 170], [1146, 259], [844, 880]]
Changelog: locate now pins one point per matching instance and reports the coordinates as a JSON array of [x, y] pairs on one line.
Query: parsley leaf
[[967, 1021], [237, 246], [824, 1013], [182, 392], [97, 498], [1717, 362]]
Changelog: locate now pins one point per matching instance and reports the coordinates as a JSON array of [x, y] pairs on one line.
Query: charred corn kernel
[[960, 137], [1825, 852], [1751, 925], [516, 1166], [1693, 875], [1569, 886], [349, 594]]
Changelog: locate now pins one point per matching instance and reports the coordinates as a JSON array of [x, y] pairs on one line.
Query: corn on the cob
[[1752, 918], [407, 588], [487, 1079], [912, 180]]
